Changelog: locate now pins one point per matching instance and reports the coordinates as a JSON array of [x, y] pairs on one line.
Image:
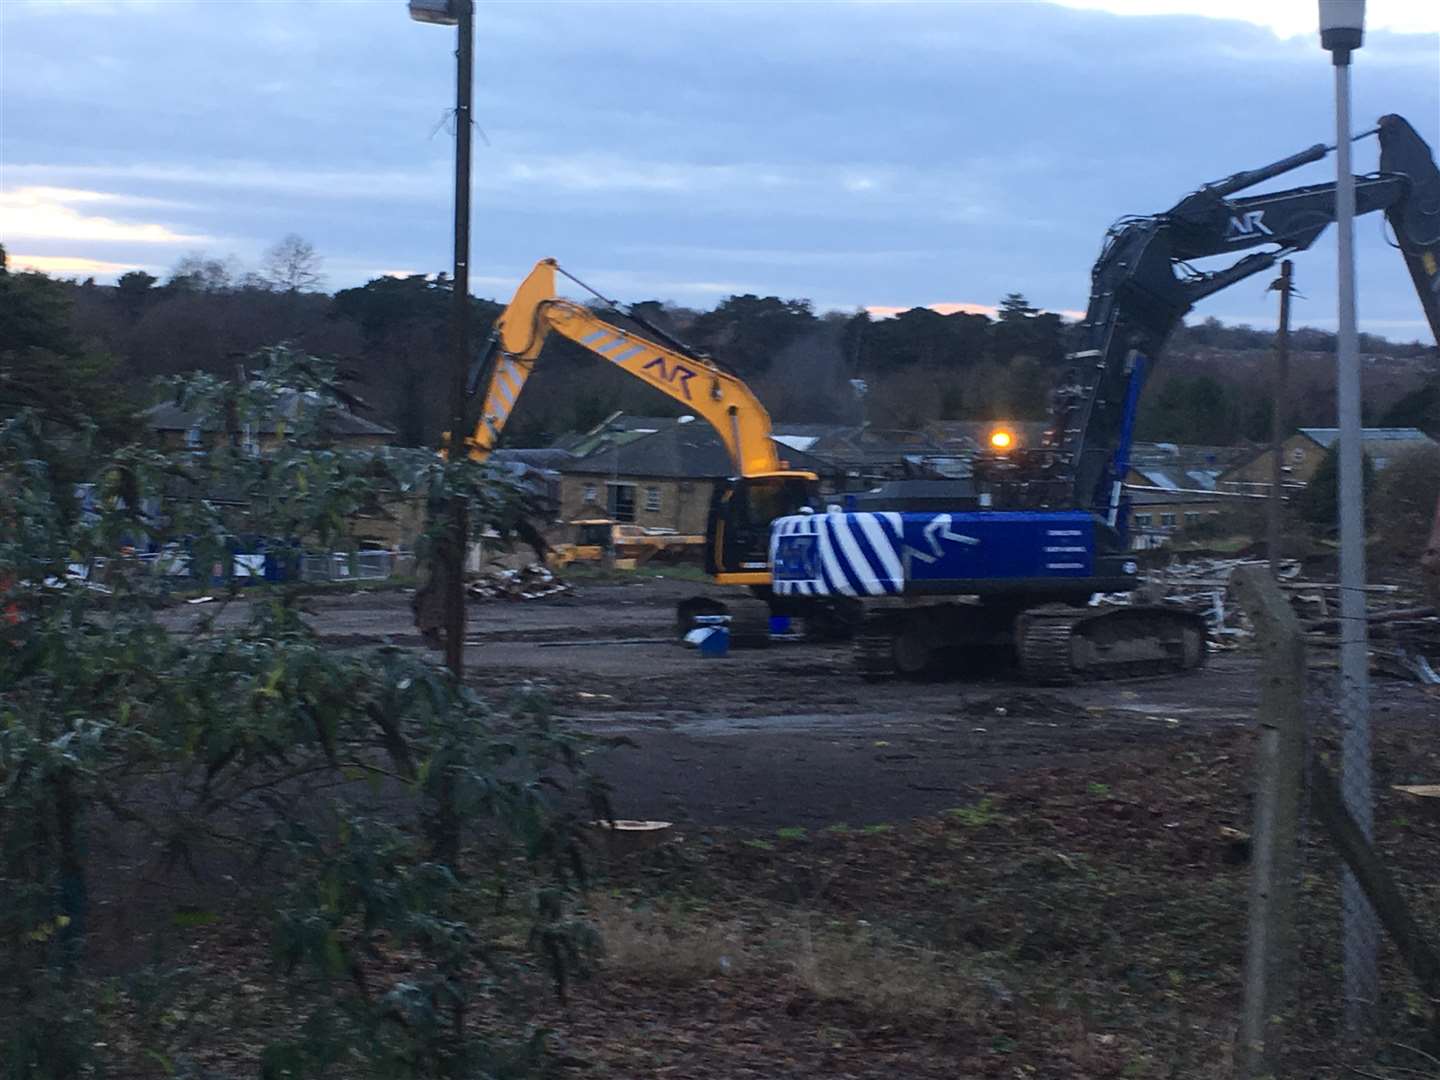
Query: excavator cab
[[737, 535]]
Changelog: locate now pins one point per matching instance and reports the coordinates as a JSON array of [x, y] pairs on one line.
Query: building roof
[[688, 451], [168, 416], [689, 447], [1328, 436], [1179, 467], [1380, 444], [547, 458]]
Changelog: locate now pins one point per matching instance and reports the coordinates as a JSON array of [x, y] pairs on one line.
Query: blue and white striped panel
[[837, 555]]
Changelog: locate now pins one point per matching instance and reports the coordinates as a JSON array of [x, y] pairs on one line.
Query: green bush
[[1318, 504], [242, 726]]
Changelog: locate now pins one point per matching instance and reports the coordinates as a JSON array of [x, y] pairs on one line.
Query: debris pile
[[1404, 641], [1201, 586], [526, 583], [1404, 637]]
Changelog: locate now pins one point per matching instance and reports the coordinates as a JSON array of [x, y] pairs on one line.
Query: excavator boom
[[695, 382], [1142, 285]]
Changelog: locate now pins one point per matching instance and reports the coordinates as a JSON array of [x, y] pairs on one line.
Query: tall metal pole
[[1361, 931], [459, 338], [1279, 419]]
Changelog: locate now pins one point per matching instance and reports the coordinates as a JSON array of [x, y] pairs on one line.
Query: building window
[[621, 501], [652, 500], [590, 494], [1142, 521], [192, 438], [1167, 521], [1192, 517]]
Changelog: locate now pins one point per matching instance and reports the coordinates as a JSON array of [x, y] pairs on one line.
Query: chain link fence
[[260, 566], [1323, 893]]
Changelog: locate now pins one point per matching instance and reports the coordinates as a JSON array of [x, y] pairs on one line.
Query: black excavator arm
[[1142, 285]]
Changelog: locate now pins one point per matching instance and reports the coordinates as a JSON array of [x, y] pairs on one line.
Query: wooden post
[[1279, 418], [1374, 879], [1279, 770]]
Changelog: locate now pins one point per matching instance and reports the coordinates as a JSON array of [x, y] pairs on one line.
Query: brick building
[[1306, 448], [654, 472]]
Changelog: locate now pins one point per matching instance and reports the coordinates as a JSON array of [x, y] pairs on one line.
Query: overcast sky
[[861, 154]]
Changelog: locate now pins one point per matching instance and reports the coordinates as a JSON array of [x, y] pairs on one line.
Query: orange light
[[1001, 440]]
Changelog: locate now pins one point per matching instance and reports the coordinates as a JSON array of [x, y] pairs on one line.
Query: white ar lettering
[[1251, 223]]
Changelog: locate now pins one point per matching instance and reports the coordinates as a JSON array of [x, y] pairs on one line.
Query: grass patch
[[890, 979], [977, 816], [667, 945]]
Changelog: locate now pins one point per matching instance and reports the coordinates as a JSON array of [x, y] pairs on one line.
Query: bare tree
[[293, 265], [199, 272]]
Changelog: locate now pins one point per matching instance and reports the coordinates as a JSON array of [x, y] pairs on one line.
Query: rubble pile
[[1404, 634], [525, 583]]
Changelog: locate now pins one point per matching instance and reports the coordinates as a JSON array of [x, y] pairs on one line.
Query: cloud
[[778, 256], [971, 149], [48, 213], [71, 264], [1285, 18]]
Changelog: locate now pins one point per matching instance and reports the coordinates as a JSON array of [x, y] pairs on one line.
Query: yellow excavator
[[737, 536]]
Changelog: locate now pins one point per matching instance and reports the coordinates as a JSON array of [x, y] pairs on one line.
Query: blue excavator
[[1006, 561]]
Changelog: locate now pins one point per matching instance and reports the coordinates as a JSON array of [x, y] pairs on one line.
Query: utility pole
[[1342, 26], [1279, 419], [464, 11]]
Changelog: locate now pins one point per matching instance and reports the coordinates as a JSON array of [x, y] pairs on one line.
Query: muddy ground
[[968, 878], [790, 735]]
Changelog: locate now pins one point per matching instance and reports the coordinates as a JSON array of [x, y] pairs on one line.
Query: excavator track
[[874, 648], [1058, 646], [896, 643]]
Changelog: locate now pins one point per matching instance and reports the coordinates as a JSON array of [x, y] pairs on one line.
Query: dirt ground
[[790, 735], [968, 878]]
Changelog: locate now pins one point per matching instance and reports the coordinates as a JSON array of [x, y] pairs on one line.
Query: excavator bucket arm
[[1142, 284], [509, 357], [1415, 218], [714, 394]]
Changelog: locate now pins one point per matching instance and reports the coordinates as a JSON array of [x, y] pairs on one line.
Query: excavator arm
[[738, 528], [1142, 285], [699, 384]]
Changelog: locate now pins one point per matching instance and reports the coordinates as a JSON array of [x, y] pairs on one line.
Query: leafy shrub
[[222, 739]]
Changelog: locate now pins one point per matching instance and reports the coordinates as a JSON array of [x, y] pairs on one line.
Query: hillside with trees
[[390, 337]]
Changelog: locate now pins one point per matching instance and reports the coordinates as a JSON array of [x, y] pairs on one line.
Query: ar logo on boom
[[1248, 225], [667, 374]]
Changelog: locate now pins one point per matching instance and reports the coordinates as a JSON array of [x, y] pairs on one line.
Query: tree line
[[390, 336]]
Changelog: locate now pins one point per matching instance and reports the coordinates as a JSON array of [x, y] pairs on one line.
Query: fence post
[[1280, 763]]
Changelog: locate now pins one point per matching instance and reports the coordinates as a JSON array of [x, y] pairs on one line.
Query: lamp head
[[1342, 27], [440, 12]]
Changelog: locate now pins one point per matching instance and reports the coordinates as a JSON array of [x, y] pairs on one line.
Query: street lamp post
[[1342, 27], [460, 14]]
